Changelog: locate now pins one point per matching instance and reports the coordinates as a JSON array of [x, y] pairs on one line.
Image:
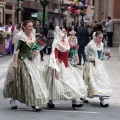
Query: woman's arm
[[89, 53], [16, 52], [57, 61], [15, 60]]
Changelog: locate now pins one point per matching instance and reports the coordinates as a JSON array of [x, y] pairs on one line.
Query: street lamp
[[44, 3]]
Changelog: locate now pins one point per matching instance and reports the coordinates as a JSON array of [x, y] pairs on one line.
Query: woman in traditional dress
[[8, 41], [95, 74], [24, 81], [72, 40], [62, 80]]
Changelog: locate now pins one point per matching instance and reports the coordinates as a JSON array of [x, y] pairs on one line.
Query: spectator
[[16, 30], [50, 38], [39, 32], [8, 41], [2, 42], [83, 39], [109, 30], [11, 29]]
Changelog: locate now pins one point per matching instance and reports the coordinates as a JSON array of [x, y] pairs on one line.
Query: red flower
[[74, 46], [107, 54], [40, 42], [8, 35]]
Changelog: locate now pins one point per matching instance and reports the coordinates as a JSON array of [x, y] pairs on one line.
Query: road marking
[[86, 112]]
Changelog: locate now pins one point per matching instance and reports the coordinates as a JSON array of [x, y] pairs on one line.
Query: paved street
[[63, 110]]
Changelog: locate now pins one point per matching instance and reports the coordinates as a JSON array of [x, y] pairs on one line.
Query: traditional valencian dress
[[72, 40], [95, 75], [26, 83], [69, 85]]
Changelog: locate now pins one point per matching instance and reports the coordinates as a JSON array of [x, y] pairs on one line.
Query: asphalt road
[[62, 111]]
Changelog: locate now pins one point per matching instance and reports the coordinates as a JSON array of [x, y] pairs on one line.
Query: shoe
[[84, 63], [50, 105], [104, 105], [36, 108], [42, 59], [77, 105], [84, 100], [13, 106], [79, 64]]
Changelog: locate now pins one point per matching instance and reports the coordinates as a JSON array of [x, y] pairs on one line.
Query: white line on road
[[86, 112]]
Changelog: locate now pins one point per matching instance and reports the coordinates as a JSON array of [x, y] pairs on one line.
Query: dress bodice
[[99, 52], [62, 54]]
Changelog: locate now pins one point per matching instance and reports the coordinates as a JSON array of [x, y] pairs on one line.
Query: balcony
[[11, 1], [31, 4], [2, 1]]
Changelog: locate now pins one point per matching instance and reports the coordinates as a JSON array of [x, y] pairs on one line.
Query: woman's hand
[[57, 75], [36, 52], [15, 65]]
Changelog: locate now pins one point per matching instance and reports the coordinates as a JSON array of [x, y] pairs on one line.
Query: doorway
[[8, 18]]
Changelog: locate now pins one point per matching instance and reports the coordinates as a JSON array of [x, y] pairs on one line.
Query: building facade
[[55, 14], [104, 8], [90, 11], [31, 9], [7, 11]]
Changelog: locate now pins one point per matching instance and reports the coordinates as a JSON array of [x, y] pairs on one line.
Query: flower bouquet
[[36, 47], [8, 36], [41, 42], [74, 46], [106, 54]]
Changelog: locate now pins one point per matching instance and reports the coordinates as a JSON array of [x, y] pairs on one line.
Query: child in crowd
[[72, 40]]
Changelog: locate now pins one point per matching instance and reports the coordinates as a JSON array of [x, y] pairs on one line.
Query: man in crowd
[[109, 30], [39, 32], [83, 39]]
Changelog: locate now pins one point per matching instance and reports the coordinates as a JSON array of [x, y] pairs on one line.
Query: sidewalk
[[112, 66], [113, 69]]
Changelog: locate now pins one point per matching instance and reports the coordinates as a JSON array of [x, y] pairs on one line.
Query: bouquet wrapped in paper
[[36, 47], [106, 54], [8, 35], [41, 42]]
